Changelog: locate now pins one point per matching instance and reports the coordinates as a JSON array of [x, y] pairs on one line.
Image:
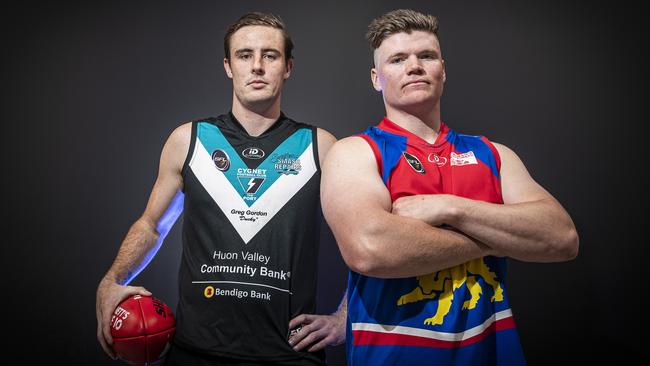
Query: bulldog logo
[[444, 283]]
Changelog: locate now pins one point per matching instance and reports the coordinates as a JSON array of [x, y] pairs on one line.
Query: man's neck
[[424, 124], [256, 119]]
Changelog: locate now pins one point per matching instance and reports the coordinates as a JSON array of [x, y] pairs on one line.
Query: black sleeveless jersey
[[250, 238]]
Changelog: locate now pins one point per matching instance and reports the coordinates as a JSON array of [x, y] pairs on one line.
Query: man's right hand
[[109, 295]]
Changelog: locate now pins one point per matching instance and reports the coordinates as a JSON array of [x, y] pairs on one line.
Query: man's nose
[[414, 66], [258, 66]]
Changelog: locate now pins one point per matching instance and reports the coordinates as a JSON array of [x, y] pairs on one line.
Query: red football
[[142, 328]]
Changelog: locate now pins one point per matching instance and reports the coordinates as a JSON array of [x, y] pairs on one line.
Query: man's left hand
[[434, 209], [317, 331]]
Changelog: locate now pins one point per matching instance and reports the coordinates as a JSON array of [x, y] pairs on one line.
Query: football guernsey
[[250, 239], [456, 316]]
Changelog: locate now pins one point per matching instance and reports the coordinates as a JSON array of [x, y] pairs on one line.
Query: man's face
[[409, 70], [257, 64]]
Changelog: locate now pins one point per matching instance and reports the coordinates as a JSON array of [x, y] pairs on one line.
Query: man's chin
[[417, 101], [258, 99]]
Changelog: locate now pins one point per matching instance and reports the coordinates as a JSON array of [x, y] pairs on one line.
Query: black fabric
[[178, 356], [247, 328]]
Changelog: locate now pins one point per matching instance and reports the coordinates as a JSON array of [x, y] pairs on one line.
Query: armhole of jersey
[[314, 146], [495, 153], [375, 151], [190, 152], [497, 161]]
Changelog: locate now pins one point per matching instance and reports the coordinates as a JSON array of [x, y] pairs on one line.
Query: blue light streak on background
[[163, 227]]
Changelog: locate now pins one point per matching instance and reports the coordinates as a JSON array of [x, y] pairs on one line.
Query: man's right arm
[[372, 240], [145, 235]]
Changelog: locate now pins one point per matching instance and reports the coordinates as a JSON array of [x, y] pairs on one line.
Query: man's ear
[[289, 68], [226, 66], [444, 72], [375, 79]]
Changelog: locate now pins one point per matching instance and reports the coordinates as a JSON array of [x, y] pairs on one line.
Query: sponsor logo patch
[[438, 160], [414, 162], [287, 164], [463, 159], [253, 153], [208, 292], [221, 160]]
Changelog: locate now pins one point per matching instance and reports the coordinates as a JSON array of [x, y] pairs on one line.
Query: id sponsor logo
[[253, 153]]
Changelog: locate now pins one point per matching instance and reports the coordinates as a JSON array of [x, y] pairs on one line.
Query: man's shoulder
[[182, 133], [351, 145], [324, 135]]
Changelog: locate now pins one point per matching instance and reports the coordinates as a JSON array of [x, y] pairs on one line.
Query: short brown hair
[[257, 18], [397, 21]]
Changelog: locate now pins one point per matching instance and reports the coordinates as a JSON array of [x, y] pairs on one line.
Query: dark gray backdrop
[[91, 92]]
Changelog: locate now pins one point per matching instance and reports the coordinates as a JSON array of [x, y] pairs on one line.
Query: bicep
[[352, 191], [517, 185], [166, 194], [325, 142]]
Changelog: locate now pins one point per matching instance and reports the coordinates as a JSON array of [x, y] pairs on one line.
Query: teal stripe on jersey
[[252, 183]]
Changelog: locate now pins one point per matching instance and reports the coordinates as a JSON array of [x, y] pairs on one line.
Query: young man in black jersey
[[248, 185]]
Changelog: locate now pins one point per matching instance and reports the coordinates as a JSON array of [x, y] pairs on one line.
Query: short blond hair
[[397, 21]]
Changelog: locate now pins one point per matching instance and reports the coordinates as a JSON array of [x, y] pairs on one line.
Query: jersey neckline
[[392, 127], [231, 121]]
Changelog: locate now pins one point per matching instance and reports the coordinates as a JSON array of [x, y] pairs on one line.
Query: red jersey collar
[[392, 127]]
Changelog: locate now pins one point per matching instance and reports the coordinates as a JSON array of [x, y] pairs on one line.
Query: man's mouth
[[257, 83], [416, 83]]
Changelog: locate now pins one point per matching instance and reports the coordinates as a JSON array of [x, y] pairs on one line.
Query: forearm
[[393, 246], [139, 245], [343, 306], [532, 231]]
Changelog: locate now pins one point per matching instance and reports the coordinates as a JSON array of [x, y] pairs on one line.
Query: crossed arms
[[381, 238]]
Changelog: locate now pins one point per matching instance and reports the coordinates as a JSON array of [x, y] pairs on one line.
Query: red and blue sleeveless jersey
[[456, 316]]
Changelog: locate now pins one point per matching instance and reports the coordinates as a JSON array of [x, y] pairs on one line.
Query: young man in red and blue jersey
[[425, 218]]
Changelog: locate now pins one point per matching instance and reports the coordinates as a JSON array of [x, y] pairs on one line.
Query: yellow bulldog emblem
[[443, 283]]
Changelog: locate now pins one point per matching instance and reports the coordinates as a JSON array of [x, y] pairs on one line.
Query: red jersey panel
[[462, 165]]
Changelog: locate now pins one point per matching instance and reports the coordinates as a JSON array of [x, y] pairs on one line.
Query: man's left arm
[[530, 225], [320, 331]]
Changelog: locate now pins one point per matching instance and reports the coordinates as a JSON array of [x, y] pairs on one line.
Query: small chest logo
[[463, 159], [221, 160], [251, 180], [438, 160], [414, 162], [253, 153], [287, 164], [251, 185]]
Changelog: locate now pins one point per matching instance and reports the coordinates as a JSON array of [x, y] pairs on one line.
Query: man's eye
[[428, 56], [270, 56], [396, 60], [245, 56]]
